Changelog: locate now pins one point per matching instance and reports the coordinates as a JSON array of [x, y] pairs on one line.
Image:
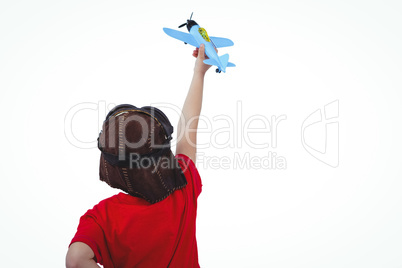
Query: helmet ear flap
[[162, 118]]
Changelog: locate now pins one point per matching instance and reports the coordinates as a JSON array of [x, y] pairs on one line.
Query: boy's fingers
[[201, 52], [195, 52]]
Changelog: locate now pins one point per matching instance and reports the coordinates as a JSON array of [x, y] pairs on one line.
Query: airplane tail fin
[[224, 59]]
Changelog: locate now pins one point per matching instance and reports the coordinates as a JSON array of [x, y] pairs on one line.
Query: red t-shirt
[[127, 231]]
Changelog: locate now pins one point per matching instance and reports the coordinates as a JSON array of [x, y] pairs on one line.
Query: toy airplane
[[198, 36]]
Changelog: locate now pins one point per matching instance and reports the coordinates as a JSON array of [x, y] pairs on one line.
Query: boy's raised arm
[[188, 123]]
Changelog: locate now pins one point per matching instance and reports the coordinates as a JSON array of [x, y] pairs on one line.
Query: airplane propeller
[[184, 24]]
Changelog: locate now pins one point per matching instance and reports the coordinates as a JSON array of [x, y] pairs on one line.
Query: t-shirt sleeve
[[191, 173], [90, 233]]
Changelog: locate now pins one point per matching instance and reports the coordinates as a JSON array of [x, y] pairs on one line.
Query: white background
[[292, 57]]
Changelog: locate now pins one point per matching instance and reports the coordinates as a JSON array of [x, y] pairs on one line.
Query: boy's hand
[[200, 66]]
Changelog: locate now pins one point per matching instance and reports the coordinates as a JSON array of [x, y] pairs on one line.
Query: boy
[[153, 223]]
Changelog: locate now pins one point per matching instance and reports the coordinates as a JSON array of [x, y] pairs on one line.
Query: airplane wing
[[221, 42], [182, 36]]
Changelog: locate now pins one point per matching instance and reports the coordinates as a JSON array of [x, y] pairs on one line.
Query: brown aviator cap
[[136, 155]]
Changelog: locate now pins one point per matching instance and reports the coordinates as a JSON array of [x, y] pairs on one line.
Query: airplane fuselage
[[209, 46]]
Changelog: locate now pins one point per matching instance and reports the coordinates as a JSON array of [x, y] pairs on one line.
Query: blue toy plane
[[198, 36]]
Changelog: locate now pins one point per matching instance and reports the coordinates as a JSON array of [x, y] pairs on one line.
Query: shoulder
[[185, 161], [187, 165], [190, 171], [101, 207]]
